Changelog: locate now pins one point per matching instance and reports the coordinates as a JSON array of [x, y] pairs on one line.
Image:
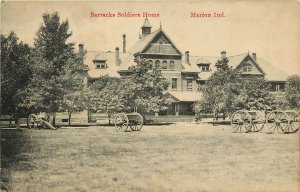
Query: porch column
[[177, 109]]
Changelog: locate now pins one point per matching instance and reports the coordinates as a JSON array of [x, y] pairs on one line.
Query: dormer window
[[204, 67], [100, 64], [247, 68]]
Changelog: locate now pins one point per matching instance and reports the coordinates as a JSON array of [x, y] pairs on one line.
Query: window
[[157, 64], [174, 83], [247, 68], [164, 65], [277, 87], [189, 85], [204, 67], [172, 65], [100, 65]]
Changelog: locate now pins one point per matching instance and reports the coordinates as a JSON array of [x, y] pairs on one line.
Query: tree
[[56, 66], [222, 64], [221, 93], [16, 73], [255, 94], [110, 95], [143, 88], [150, 87], [292, 91]]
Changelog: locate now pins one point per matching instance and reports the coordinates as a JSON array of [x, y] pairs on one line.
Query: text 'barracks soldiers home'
[[184, 71]]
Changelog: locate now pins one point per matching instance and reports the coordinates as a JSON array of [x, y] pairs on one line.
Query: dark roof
[[143, 42], [146, 23]]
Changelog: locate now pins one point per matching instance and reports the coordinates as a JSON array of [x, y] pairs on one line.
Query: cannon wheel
[[257, 121], [241, 120], [294, 122], [32, 121], [121, 122], [135, 121], [279, 121]]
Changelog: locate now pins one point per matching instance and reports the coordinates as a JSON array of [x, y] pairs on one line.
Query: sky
[[271, 29]]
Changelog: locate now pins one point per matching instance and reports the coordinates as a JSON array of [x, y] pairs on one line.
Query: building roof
[[272, 73], [146, 23], [143, 42], [109, 57], [184, 96]]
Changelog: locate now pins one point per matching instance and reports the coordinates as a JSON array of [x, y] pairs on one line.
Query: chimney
[[117, 56], [187, 57], [254, 56], [223, 54], [124, 43], [80, 47]]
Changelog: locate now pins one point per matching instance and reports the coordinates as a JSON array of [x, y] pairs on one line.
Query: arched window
[[157, 64], [164, 65], [172, 65], [150, 62]]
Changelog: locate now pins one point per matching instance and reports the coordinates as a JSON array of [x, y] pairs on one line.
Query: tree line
[[48, 77], [227, 91]]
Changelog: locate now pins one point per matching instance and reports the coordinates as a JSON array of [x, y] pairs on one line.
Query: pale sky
[[271, 29]]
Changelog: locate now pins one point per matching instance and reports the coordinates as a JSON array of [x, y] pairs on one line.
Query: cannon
[[123, 121], [255, 121], [248, 121], [35, 122], [283, 121]]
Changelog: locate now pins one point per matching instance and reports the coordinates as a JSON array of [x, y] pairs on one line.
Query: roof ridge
[[238, 55], [203, 56]]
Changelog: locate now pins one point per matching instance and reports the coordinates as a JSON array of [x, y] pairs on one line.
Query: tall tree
[[221, 93], [56, 66], [143, 88], [15, 74], [292, 91], [150, 87]]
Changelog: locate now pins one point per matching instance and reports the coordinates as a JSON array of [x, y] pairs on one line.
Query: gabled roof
[[237, 60], [145, 41], [271, 72]]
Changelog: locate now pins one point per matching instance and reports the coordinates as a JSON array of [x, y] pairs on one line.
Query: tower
[[146, 28]]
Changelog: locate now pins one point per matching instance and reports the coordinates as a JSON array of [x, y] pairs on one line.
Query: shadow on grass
[[13, 144]]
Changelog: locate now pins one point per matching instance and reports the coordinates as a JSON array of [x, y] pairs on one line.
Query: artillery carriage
[[123, 121], [255, 121], [36, 122]]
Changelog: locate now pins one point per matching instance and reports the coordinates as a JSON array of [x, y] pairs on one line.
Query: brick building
[[184, 71]]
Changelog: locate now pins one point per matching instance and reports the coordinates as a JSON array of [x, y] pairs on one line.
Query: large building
[[184, 71]]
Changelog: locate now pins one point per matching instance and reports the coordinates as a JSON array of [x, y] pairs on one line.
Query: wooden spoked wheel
[[32, 121], [121, 122], [294, 122], [241, 120], [257, 121], [135, 121], [278, 121]]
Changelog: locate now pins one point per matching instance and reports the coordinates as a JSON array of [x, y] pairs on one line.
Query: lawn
[[177, 157]]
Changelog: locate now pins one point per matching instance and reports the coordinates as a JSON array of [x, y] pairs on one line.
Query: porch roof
[[184, 96]]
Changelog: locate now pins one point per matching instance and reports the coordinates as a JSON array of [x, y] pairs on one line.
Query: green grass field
[[177, 157]]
